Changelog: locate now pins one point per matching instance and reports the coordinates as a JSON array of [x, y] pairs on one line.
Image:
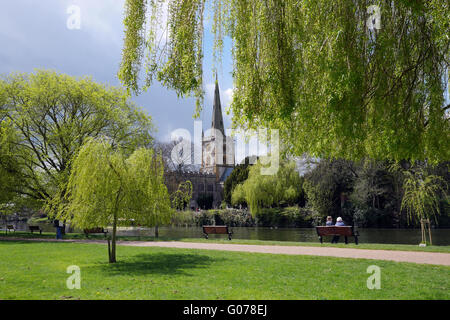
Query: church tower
[[217, 148]]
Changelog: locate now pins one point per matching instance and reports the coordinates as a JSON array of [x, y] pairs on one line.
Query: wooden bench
[[95, 230], [217, 230], [35, 228], [346, 231]]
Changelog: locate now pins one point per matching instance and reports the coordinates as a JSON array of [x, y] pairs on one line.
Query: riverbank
[[372, 246]]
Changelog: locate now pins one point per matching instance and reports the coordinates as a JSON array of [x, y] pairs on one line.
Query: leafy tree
[[237, 176], [106, 188], [327, 186], [421, 198], [376, 194], [315, 70], [280, 189], [50, 116], [238, 195], [8, 167], [183, 195]]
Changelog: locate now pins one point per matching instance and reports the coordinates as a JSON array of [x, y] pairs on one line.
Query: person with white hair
[[339, 223]]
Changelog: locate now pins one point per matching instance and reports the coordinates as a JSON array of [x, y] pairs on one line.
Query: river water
[[367, 235]]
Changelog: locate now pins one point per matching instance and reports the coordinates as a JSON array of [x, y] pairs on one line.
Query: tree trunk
[[112, 256], [156, 231]]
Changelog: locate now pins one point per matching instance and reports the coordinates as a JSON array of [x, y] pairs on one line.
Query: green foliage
[[9, 172], [183, 195], [49, 116], [314, 65], [374, 193], [174, 56], [238, 196], [266, 217], [361, 192], [229, 217], [237, 176], [106, 188], [320, 199], [259, 191], [422, 194], [294, 217], [148, 200]]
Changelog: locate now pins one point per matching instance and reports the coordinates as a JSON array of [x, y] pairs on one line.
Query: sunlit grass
[[37, 270]]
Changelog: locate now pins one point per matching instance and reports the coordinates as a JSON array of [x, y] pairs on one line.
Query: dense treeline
[[266, 217], [367, 193]]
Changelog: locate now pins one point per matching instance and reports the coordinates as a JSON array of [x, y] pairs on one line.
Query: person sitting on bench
[[339, 223], [329, 221]]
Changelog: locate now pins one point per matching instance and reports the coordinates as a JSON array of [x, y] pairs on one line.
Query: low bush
[[267, 217]]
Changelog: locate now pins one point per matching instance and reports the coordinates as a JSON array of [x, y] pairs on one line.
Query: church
[[218, 161]]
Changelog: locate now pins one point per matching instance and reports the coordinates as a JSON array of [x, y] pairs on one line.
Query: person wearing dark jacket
[[59, 225]]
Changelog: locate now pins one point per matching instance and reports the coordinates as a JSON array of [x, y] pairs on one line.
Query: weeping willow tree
[[106, 188], [317, 70], [421, 198], [264, 191], [182, 196]]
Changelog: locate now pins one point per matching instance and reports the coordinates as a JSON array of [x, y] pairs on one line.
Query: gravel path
[[399, 256], [435, 258]]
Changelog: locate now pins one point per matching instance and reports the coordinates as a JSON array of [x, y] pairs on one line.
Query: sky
[[42, 35]]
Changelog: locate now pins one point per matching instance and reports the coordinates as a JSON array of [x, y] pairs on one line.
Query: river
[[367, 235]]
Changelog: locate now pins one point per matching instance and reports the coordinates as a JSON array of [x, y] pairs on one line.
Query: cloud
[[36, 36]]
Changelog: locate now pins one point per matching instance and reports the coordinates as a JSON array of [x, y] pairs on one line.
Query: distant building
[[217, 163]]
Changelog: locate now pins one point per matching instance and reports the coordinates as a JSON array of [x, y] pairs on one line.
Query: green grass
[[37, 270], [223, 239]]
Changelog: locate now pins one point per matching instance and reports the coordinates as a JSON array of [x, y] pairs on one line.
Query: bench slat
[[335, 231], [217, 230], [346, 231]]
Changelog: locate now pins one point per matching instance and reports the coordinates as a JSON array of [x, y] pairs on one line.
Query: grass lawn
[[37, 270], [223, 239]]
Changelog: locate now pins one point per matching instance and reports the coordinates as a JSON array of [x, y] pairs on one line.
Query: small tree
[[182, 196], [421, 197], [106, 188]]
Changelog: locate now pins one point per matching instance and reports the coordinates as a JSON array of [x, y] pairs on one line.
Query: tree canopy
[[107, 188], [45, 117], [259, 191], [314, 69]]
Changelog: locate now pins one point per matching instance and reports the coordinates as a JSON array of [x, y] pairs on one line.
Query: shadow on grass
[[157, 263], [14, 241], [81, 236]]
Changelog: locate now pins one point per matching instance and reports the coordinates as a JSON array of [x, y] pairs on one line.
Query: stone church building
[[218, 161]]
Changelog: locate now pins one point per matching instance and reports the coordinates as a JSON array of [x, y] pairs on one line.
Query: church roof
[[217, 118], [226, 174]]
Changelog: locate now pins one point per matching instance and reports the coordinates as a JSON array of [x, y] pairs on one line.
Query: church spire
[[217, 118]]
